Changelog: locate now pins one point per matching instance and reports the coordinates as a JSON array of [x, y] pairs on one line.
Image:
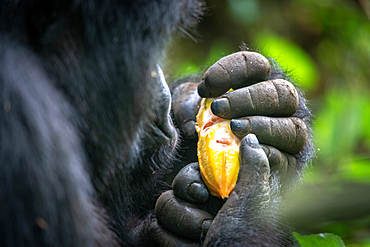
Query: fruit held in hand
[[218, 151]]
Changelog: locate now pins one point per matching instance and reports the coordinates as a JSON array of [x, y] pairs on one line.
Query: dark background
[[325, 44]]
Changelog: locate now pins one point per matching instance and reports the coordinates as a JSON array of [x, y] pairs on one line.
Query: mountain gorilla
[[87, 136]]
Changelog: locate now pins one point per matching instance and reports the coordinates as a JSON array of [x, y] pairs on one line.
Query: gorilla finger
[[254, 165], [181, 217], [188, 184], [279, 161], [286, 134], [270, 98], [164, 238], [185, 106], [237, 70], [251, 192]]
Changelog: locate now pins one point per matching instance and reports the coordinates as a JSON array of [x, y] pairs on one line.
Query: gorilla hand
[[243, 220], [185, 214], [246, 219], [185, 106], [272, 109]]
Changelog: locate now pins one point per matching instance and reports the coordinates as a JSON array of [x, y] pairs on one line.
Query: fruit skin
[[218, 151]]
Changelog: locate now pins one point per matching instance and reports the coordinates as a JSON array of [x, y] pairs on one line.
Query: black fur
[[85, 135], [83, 143]]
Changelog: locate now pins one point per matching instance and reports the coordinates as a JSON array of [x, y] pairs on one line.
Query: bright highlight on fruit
[[218, 151]]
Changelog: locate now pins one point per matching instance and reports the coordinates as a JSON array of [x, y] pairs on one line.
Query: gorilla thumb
[[251, 192], [254, 165]]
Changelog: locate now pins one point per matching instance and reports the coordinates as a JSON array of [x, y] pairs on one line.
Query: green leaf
[[219, 49], [291, 57], [187, 68], [319, 240], [244, 12], [358, 170]]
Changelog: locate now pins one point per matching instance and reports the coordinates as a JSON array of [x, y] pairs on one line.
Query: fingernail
[[202, 90], [240, 127], [220, 107], [189, 129], [252, 139], [206, 225], [198, 192], [266, 150]]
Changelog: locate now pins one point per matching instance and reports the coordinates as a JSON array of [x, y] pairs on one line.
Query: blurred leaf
[[244, 11], [342, 133], [319, 240], [357, 170], [321, 3], [337, 125], [291, 57], [219, 49], [186, 68], [329, 54]]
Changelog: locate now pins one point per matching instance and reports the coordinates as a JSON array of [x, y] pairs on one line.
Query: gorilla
[[88, 135]]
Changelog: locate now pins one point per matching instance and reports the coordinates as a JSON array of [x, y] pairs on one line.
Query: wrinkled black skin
[[84, 130], [187, 149], [263, 223]]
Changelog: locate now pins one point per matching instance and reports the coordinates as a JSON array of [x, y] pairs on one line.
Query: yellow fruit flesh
[[218, 151]]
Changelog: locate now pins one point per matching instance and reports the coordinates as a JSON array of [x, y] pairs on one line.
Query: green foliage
[[217, 50], [319, 240], [245, 12], [341, 124], [346, 230], [187, 68], [290, 56]]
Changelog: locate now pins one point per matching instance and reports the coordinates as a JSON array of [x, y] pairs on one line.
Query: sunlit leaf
[[187, 68], [358, 170], [319, 240], [337, 126], [219, 49], [291, 57]]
